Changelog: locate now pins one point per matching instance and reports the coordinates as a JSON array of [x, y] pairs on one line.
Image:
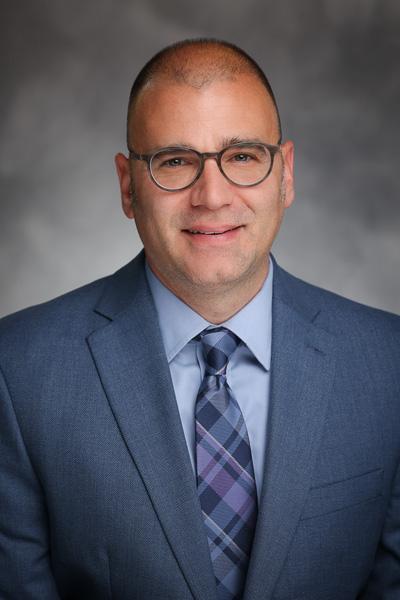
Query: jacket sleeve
[[384, 582], [25, 570]]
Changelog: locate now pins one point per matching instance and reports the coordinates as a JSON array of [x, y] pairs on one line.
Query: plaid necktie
[[225, 475]]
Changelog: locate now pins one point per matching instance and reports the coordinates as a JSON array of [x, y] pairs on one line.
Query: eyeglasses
[[177, 168]]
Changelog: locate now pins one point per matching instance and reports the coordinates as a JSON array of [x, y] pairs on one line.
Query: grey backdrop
[[66, 72]]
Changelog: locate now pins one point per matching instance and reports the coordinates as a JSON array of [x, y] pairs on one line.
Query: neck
[[218, 303]]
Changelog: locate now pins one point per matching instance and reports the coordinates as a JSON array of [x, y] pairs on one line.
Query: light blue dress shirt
[[248, 368]]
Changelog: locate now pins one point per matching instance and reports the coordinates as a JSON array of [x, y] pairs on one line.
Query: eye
[[242, 157], [171, 160], [176, 161], [246, 155]]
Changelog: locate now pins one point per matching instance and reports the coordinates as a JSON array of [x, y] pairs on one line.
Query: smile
[[214, 232]]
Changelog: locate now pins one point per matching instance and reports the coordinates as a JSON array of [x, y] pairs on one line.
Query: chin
[[213, 278]]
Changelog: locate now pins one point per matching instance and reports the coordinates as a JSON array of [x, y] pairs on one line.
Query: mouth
[[210, 231]]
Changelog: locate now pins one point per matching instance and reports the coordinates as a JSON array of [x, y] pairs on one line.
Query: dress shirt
[[248, 372]]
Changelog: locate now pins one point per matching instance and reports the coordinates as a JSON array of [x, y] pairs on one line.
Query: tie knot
[[218, 345]]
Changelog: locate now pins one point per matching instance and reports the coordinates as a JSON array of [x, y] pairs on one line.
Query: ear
[[125, 184], [288, 171]]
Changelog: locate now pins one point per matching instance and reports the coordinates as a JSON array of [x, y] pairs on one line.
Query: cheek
[[154, 218], [159, 211], [267, 220], [268, 208]]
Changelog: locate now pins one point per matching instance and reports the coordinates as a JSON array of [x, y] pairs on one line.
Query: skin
[[215, 275]]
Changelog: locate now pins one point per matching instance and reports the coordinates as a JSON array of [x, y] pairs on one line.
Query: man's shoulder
[[331, 310], [69, 315], [59, 313]]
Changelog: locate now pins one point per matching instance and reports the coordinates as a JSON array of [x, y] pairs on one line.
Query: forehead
[[168, 113]]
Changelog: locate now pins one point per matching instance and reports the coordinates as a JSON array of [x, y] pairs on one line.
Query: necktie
[[225, 475]]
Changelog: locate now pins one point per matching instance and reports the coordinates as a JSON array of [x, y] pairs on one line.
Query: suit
[[97, 495]]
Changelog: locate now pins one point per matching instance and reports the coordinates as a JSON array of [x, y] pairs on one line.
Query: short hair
[[175, 62]]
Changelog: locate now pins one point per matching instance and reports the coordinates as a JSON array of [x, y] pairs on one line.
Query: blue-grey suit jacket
[[97, 495]]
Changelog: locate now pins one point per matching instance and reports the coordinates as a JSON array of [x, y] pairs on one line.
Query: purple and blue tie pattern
[[225, 475]]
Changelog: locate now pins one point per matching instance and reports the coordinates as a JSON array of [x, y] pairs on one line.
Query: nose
[[212, 190]]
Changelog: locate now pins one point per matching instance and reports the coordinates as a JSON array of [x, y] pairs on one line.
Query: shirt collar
[[179, 323]]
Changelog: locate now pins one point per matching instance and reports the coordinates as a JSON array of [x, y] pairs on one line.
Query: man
[[201, 424]]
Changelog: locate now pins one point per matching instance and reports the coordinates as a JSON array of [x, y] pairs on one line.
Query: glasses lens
[[246, 164], [175, 168]]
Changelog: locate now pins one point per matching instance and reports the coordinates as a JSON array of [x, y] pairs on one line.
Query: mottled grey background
[[66, 72]]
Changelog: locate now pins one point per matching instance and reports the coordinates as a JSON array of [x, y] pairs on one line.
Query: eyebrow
[[238, 140], [226, 141]]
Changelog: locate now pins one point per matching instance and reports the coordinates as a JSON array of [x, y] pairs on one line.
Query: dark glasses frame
[[273, 149]]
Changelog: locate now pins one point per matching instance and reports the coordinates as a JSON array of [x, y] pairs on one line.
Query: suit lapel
[[132, 365], [301, 379]]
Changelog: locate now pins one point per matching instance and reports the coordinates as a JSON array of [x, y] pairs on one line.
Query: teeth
[[209, 232]]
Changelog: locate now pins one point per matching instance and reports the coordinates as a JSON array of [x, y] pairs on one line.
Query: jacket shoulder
[[59, 316], [77, 309], [336, 312]]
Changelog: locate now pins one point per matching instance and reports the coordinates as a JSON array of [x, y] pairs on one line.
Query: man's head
[[197, 63], [213, 236]]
